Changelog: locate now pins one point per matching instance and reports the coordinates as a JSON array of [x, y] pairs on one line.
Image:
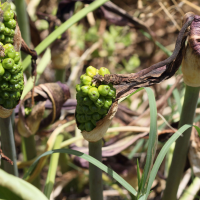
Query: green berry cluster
[[11, 73], [7, 27], [93, 102]]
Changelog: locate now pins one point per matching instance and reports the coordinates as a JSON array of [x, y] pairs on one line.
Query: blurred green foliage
[[112, 37]]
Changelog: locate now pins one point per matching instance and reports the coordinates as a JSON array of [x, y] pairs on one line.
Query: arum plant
[[11, 75], [93, 103]]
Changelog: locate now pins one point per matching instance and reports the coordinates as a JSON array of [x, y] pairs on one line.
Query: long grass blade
[[89, 159], [177, 99], [52, 168], [153, 139], [162, 154]]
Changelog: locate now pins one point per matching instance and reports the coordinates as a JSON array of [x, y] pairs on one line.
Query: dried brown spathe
[[57, 93]]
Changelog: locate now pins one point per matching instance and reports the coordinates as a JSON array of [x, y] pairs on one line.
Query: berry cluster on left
[[11, 71]]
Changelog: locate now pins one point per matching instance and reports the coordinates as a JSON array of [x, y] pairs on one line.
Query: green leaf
[[177, 99], [138, 172], [162, 154], [153, 139], [122, 99], [12, 187], [89, 159]]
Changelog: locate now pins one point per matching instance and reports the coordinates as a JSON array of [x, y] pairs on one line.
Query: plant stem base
[[182, 144], [95, 174], [8, 145]]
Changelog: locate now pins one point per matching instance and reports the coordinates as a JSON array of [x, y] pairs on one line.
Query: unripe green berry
[[103, 90], [8, 39], [9, 104], [88, 117], [8, 63], [17, 57], [81, 118], [84, 90], [6, 95], [10, 24], [7, 76], [100, 101], [7, 15], [87, 101], [89, 126], [86, 110], [96, 116], [10, 53], [79, 109], [78, 87], [2, 70], [82, 126], [2, 27], [111, 93], [102, 111], [93, 94], [107, 103], [86, 80], [4, 85], [91, 71], [2, 37], [103, 71], [93, 108], [7, 31], [8, 46]]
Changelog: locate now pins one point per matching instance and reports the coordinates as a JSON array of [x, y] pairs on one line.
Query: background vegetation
[[94, 40]]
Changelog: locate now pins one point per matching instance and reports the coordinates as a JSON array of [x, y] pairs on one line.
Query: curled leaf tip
[[194, 37]]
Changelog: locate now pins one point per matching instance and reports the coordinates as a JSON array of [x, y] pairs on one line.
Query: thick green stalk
[[95, 174], [29, 146], [29, 153], [22, 19], [8, 145], [60, 75], [182, 144], [52, 168]]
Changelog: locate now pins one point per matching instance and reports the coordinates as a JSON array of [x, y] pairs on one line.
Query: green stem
[[52, 168], [95, 174], [29, 152], [182, 144], [8, 145], [22, 19], [60, 75]]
